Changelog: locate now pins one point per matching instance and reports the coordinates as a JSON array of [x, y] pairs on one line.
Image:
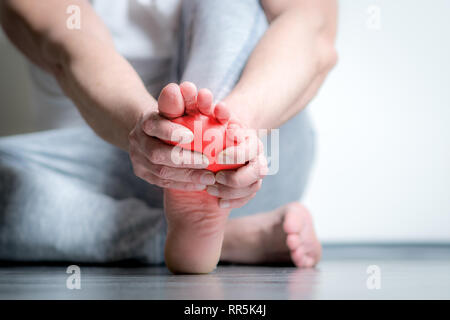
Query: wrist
[[137, 112]]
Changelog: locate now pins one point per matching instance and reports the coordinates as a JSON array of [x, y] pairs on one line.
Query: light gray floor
[[407, 272]]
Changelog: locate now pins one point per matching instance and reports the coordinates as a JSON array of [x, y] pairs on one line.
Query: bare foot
[[283, 235], [196, 223]]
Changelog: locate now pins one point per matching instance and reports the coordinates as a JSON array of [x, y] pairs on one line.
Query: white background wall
[[383, 120]]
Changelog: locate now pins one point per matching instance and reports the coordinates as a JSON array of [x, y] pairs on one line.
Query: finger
[[243, 152], [169, 184], [225, 192], [244, 176], [235, 203], [158, 152], [195, 176], [157, 126], [189, 92], [222, 113], [205, 102], [170, 102]]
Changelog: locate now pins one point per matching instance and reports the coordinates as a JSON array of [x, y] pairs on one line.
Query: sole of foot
[[196, 224]]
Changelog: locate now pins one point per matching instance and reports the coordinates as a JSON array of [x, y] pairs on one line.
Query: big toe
[[170, 102]]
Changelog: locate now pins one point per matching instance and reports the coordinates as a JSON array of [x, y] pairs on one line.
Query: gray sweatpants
[[66, 195]]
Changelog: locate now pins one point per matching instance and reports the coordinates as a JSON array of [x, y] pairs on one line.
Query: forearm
[[107, 91], [287, 67], [105, 88]]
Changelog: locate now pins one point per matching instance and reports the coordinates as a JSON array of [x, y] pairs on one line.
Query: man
[[67, 195]]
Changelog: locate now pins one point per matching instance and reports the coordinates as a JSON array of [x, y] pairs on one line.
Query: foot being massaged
[[182, 179]]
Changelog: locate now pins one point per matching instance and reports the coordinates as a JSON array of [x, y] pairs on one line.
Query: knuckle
[[150, 125], [156, 157], [132, 137], [190, 174], [163, 172]]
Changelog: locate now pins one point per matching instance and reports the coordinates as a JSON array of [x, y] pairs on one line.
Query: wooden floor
[[406, 272]]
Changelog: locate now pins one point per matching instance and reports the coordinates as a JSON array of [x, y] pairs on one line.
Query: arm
[[283, 73], [107, 91], [289, 63], [105, 88]]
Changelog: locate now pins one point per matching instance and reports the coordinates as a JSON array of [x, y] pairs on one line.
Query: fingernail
[[220, 178], [212, 190], [207, 178], [224, 204]]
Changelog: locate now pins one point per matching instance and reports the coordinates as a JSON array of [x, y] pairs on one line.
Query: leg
[[212, 52], [68, 196], [280, 229], [217, 38]]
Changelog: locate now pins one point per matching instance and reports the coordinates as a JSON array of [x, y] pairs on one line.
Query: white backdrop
[[383, 120]]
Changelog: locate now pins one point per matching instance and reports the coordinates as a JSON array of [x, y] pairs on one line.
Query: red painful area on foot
[[210, 137]]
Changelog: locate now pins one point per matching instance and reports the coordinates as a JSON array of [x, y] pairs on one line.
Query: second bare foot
[[283, 235]]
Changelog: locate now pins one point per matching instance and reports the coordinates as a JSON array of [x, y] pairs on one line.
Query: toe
[[297, 256], [293, 241], [189, 92], [222, 113], [205, 102], [307, 262], [170, 102], [292, 221]]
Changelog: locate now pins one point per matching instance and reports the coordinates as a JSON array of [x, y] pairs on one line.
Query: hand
[[235, 188], [158, 163]]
